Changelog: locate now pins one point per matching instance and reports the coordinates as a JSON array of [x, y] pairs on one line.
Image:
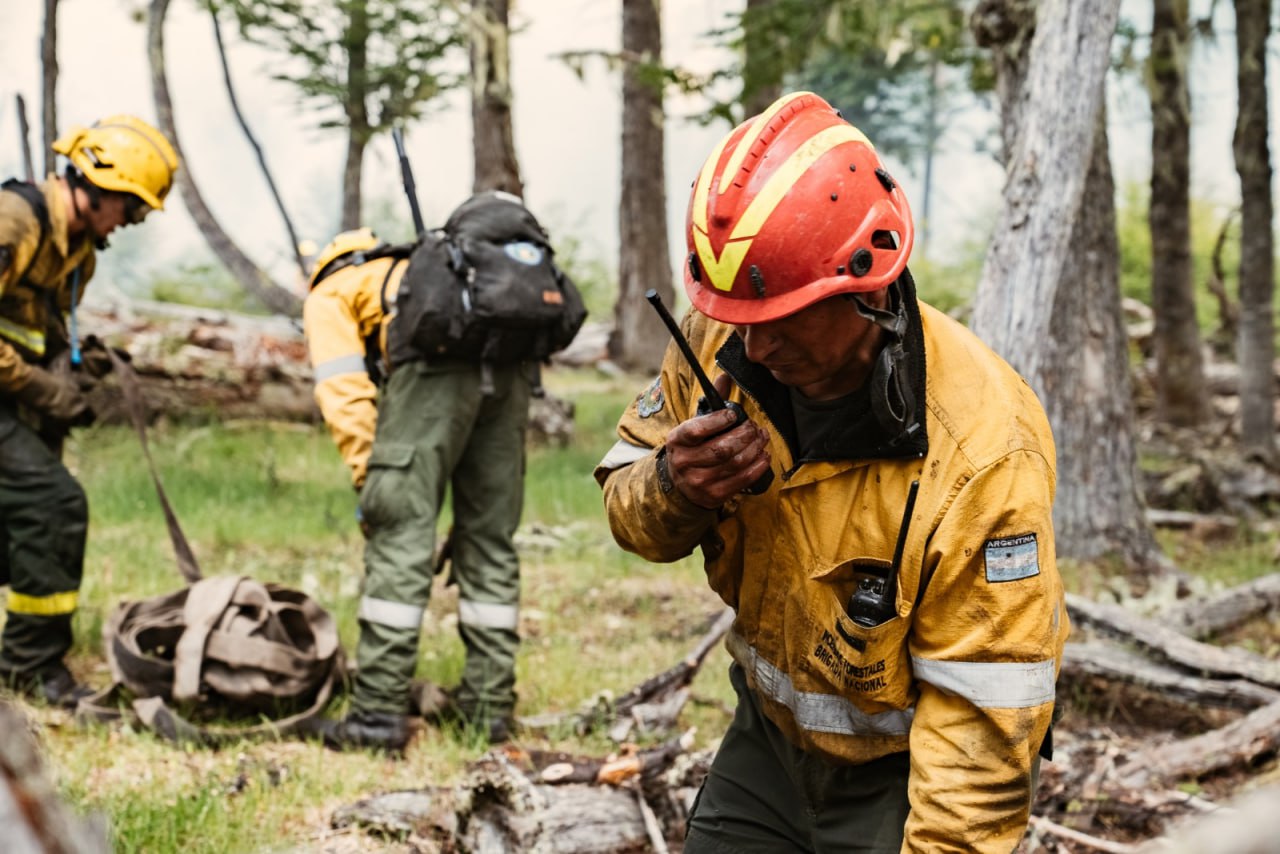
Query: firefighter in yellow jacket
[[345, 318], [899, 616], [118, 171]]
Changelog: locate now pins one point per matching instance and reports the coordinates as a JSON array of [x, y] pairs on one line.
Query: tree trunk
[[1081, 370], [1099, 508], [1181, 399], [1062, 94], [761, 62], [250, 277], [496, 166], [357, 51], [257, 149], [639, 338], [49, 86], [1256, 342]]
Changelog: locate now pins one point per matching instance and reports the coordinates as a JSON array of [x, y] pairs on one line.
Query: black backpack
[[485, 288]]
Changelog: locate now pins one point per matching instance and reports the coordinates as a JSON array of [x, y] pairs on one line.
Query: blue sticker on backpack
[[524, 252], [1011, 558]]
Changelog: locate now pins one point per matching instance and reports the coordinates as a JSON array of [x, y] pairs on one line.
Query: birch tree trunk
[[248, 274], [639, 339], [1054, 135], [1077, 358], [1180, 393], [496, 166], [1256, 342]]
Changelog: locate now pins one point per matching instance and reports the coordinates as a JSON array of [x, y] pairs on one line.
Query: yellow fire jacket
[[35, 281], [344, 317], [963, 676]]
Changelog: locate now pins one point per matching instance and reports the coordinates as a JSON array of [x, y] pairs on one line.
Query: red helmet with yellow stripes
[[793, 206]]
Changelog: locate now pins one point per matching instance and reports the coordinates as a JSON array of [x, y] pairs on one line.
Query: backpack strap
[[32, 195]]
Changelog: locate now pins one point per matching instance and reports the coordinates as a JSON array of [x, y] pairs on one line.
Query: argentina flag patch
[[1011, 558]]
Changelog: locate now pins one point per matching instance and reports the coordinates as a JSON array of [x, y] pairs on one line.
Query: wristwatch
[[664, 472]]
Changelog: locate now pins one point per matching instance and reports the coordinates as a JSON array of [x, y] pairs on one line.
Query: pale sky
[[567, 130]]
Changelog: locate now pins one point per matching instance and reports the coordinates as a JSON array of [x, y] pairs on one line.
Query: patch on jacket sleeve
[[1011, 558], [651, 399]]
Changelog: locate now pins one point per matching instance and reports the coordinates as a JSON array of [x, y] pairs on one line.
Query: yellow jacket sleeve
[[333, 316], [659, 526], [985, 649]]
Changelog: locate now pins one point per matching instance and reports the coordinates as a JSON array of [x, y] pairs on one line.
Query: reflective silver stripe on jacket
[[487, 615], [814, 711], [624, 453], [353, 364], [29, 338], [396, 615], [990, 684]]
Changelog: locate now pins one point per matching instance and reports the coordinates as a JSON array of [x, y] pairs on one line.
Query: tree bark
[[1181, 398], [639, 339], [1256, 342], [357, 50], [1028, 253], [1099, 508], [248, 274], [493, 145], [49, 85], [1080, 370]]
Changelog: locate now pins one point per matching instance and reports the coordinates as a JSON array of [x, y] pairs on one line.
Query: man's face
[[114, 210], [823, 351]]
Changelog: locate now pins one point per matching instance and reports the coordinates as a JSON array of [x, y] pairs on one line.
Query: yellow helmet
[[356, 240], [124, 154]]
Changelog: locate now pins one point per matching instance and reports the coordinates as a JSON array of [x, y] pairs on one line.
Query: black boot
[[53, 684], [364, 730], [495, 727]]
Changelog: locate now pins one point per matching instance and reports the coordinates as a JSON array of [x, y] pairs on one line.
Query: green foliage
[[378, 61], [1207, 223], [200, 283]]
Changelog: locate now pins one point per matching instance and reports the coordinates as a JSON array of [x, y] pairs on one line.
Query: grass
[[273, 501]]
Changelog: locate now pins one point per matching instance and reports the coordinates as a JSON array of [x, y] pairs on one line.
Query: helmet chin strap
[[94, 193], [892, 402]]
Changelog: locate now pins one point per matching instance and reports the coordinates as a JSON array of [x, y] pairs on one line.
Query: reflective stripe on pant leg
[[45, 516], [488, 496]]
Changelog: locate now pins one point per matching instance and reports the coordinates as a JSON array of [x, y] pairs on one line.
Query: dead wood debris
[[33, 819], [1190, 726]]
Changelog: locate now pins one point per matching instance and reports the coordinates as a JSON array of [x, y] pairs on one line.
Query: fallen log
[[1232, 746], [1203, 618], [212, 365], [499, 807], [1166, 644], [1115, 664], [1247, 825]]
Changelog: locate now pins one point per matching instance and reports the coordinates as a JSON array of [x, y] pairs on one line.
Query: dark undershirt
[[822, 425]]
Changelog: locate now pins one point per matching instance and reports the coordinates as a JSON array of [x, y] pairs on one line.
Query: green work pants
[[435, 429], [44, 520], [763, 794]]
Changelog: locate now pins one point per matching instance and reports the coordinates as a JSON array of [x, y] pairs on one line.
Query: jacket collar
[[774, 399]]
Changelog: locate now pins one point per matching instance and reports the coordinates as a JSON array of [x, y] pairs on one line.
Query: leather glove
[[95, 360], [58, 396]]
